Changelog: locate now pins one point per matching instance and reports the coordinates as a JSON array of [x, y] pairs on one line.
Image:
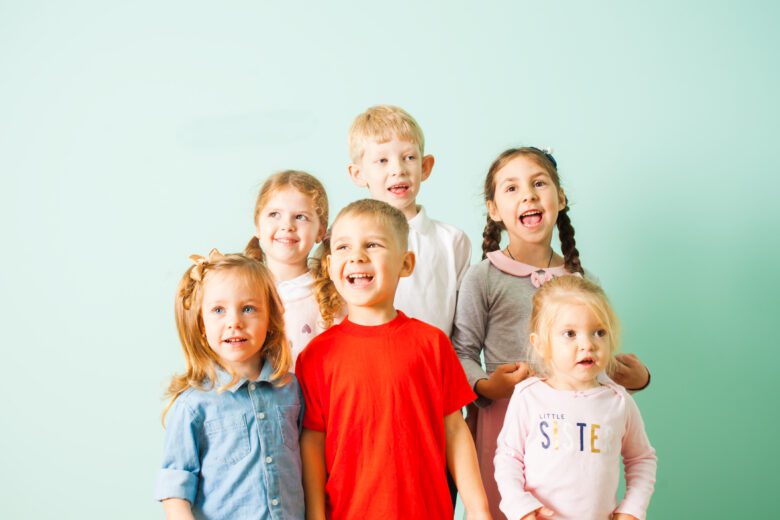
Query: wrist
[[647, 383]]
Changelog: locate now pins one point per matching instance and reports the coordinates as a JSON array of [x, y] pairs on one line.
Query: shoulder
[[420, 330], [528, 385]]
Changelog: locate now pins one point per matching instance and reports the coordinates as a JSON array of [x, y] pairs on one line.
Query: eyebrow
[[271, 208]]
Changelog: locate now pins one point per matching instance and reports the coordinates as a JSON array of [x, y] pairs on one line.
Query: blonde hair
[[385, 214], [200, 360], [382, 123], [570, 290]]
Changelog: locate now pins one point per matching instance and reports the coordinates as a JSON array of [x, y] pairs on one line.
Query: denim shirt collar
[[224, 377]]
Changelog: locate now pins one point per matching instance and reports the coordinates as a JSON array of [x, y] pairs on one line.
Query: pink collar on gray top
[[538, 275]]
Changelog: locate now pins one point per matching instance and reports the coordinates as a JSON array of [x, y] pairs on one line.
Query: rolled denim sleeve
[[178, 477]]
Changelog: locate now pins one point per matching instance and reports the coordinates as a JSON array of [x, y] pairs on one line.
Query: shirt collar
[[223, 377], [538, 275], [420, 222]]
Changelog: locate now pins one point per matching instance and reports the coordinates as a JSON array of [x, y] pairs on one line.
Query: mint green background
[[134, 134]]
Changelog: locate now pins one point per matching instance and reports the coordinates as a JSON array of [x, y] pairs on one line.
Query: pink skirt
[[490, 420]]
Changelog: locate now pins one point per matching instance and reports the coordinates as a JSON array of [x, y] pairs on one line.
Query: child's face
[[235, 319], [288, 227], [579, 348], [365, 264], [527, 201], [393, 171]]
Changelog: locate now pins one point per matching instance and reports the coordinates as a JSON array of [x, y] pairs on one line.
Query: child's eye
[[273, 214], [569, 334], [301, 217], [249, 308], [511, 188], [218, 310], [371, 245], [600, 333], [382, 160], [539, 183], [340, 247], [410, 157]]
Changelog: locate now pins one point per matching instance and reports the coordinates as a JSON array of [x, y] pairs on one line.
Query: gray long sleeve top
[[492, 316]]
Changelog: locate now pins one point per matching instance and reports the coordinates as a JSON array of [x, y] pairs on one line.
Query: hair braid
[[571, 256], [491, 237], [328, 298]]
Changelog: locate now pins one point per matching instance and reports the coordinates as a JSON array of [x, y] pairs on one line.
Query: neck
[[537, 255], [564, 382], [283, 272], [410, 211], [371, 316]]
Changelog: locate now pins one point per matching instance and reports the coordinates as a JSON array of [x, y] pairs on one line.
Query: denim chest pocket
[[227, 439], [288, 424]]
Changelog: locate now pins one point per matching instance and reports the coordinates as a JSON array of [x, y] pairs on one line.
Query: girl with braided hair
[[524, 197], [291, 216], [233, 421]]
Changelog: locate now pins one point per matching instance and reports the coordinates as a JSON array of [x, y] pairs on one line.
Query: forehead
[[576, 313], [359, 226], [234, 283], [289, 197], [390, 142], [520, 168]]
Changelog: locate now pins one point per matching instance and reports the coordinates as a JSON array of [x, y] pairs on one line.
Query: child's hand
[[539, 514], [623, 516], [502, 382], [629, 372]]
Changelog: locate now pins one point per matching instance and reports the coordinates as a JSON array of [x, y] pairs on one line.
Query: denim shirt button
[[274, 502], [269, 460], [260, 415], [252, 386]]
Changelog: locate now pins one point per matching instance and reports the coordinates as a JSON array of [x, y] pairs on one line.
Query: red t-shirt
[[380, 394]]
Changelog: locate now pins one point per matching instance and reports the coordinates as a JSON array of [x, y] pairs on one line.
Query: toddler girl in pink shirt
[[559, 451]]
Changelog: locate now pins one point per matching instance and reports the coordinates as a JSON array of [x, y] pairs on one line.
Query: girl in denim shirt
[[231, 439]]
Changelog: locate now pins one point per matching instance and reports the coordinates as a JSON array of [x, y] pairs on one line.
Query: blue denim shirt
[[235, 454]]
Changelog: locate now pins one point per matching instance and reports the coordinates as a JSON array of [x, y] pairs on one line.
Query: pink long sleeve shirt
[[561, 449]]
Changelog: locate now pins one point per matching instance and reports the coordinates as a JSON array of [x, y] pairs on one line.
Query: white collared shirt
[[442, 253]]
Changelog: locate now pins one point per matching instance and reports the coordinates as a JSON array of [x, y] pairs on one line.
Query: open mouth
[[286, 241], [235, 341], [531, 218], [399, 189], [587, 362], [360, 279]]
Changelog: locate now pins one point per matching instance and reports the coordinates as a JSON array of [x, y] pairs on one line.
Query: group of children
[[385, 327]]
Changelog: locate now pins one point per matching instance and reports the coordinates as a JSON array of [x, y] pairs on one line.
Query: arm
[[314, 473], [177, 509], [510, 466], [178, 480], [462, 461], [639, 462]]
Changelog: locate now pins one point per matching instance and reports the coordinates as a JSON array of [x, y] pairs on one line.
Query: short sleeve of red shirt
[[455, 386], [313, 392]]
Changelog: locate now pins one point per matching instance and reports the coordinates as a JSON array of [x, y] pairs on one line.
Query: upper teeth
[[531, 213], [360, 275]]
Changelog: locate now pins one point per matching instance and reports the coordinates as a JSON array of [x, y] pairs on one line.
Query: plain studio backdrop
[[135, 134]]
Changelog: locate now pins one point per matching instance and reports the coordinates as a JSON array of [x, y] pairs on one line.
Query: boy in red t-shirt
[[383, 391]]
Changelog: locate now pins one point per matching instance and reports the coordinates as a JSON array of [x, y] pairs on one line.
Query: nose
[[235, 320], [586, 344], [397, 167], [288, 223], [529, 195], [357, 255]]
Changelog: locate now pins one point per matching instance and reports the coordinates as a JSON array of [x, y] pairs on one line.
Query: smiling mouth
[[286, 241], [235, 341], [398, 189], [360, 279], [531, 218]]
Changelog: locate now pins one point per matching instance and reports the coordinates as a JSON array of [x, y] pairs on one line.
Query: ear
[[561, 199], [355, 173], [427, 166], [493, 211], [407, 268], [320, 234], [536, 344]]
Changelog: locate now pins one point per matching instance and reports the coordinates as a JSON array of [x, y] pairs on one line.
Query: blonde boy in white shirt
[[386, 147]]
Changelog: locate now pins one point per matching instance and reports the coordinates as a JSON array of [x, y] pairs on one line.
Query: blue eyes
[[246, 309], [218, 310]]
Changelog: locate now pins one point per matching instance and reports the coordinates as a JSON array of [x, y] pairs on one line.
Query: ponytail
[[491, 237], [571, 256], [253, 250], [328, 298]]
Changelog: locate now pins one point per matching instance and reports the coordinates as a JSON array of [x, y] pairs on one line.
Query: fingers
[[544, 513]]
